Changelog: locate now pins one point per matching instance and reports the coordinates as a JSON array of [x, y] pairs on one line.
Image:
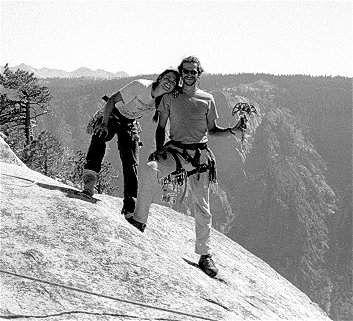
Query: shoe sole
[[88, 193], [210, 274]]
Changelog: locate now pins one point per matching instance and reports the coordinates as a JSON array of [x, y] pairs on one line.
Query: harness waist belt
[[193, 146]]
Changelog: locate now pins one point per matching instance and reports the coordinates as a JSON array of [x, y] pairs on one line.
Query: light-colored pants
[[150, 173]]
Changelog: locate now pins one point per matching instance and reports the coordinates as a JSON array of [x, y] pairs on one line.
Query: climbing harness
[[105, 296], [172, 184]]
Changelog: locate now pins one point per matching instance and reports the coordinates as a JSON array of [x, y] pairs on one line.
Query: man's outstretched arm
[[216, 130]]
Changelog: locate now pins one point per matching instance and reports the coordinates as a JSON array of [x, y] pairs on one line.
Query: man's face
[[189, 73]]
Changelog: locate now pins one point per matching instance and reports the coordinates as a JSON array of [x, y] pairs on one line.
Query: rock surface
[[52, 232]]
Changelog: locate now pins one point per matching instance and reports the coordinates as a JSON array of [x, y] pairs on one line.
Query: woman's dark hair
[[156, 83], [191, 59]]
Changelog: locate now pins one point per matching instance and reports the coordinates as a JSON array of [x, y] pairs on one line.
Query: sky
[[146, 37]]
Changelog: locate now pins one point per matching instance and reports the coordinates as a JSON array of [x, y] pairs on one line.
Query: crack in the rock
[[219, 304], [19, 316]]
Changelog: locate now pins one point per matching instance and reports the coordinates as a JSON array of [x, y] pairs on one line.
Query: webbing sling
[[195, 161]]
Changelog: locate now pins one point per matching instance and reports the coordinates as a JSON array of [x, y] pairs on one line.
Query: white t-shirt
[[137, 99]]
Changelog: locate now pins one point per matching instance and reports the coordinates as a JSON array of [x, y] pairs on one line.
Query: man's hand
[[101, 130], [240, 127], [153, 157], [239, 130], [158, 154]]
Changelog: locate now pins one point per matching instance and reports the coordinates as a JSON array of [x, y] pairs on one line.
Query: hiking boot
[[207, 265], [140, 226], [89, 178]]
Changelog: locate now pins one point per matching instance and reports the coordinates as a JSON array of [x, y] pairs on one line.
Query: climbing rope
[[106, 296]]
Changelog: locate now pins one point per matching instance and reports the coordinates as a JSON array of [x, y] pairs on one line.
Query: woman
[[131, 102]]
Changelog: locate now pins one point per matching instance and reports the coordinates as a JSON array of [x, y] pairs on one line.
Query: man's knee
[[148, 171], [152, 165]]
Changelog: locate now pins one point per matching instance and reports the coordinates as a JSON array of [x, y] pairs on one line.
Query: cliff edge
[[88, 263]]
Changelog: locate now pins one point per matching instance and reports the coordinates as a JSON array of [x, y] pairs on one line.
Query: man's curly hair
[[191, 59]]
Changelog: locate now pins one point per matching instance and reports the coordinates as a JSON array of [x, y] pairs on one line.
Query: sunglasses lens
[[193, 72]]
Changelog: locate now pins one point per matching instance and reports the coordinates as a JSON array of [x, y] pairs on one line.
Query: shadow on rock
[[70, 192]]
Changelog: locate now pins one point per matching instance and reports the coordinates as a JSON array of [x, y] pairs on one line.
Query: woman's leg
[[94, 157], [128, 144]]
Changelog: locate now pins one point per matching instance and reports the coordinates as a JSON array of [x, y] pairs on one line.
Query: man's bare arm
[[160, 131], [216, 130]]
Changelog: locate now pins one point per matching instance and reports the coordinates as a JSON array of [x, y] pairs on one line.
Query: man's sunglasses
[[186, 71]]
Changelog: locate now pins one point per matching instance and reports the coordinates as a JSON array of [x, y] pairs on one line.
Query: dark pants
[[128, 145]]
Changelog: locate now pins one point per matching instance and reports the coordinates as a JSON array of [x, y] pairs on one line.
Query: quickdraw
[[171, 186], [244, 110]]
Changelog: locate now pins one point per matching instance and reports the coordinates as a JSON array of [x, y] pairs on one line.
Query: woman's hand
[[101, 130]]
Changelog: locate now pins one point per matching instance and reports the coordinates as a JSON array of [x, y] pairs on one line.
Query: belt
[[193, 146]]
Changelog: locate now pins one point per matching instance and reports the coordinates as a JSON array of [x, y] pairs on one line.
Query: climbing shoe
[[207, 265], [128, 207], [127, 214], [140, 226], [89, 178]]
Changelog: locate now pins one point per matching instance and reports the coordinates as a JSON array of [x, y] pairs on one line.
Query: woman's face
[[168, 82]]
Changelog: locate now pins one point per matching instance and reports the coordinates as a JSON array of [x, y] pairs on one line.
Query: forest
[[285, 194]]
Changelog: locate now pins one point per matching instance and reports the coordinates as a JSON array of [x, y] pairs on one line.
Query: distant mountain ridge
[[80, 72]]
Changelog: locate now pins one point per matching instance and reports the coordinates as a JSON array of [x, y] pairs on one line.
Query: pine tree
[[22, 100], [73, 172], [104, 181], [45, 154]]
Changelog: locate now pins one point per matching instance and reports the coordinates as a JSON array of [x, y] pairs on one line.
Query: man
[[192, 115]]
